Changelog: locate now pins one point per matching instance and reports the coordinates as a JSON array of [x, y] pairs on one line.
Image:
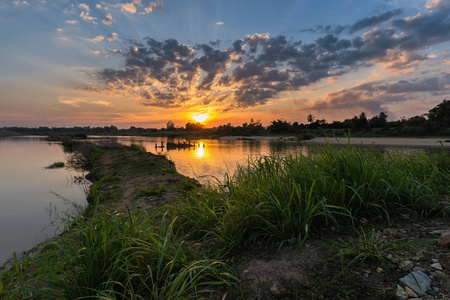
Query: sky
[[142, 63]]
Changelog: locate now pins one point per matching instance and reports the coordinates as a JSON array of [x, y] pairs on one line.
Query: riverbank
[[354, 141], [384, 141], [339, 230]]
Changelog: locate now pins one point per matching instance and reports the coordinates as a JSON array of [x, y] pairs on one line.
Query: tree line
[[435, 122]]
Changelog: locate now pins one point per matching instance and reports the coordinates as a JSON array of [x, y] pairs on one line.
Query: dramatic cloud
[[375, 20], [258, 68]]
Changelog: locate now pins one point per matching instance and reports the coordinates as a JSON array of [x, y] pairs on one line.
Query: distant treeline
[[435, 122]]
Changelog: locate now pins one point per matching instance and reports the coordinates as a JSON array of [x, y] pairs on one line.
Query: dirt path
[[128, 179]]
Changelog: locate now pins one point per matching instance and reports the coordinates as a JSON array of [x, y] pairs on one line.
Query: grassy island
[[341, 223]]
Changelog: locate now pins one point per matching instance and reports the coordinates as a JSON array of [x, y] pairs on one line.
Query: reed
[[177, 252], [285, 199], [122, 256]]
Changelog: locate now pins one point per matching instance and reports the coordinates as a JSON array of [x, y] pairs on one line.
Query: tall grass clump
[[284, 199], [122, 256]]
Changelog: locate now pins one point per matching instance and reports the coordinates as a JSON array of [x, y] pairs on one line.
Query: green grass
[[282, 199], [157, 190], [119, 256], [368, 246], [177, 252]]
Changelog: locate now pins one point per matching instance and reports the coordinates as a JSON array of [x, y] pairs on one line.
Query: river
[[27, 188]]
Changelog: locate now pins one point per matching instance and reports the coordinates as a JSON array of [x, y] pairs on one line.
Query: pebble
[[436, 232], [274, 288], [401, 293], [437, 266], [407, 265], [444, 240], [444, 260], [410, 292]]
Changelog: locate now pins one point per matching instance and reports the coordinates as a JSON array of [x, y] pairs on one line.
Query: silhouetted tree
[[378, 121], [440, 114], [194, 126], [170, 125], [280, 126]]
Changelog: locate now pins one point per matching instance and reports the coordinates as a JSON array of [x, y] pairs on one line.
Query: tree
[[310, 118], [170, 125], [440, 114], [361, 122], [194, 126], [378, 121], [279, 126]]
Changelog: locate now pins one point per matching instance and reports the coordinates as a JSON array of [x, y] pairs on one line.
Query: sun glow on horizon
[[200, 118]]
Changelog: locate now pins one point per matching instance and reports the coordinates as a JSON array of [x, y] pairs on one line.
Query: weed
[[157, 190], [367, 246]]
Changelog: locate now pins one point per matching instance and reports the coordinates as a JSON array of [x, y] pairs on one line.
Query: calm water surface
[[26, 186], [26, 192], [213, 158]]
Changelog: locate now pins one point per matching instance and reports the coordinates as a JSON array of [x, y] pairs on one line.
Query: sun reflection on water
[[200, 151]]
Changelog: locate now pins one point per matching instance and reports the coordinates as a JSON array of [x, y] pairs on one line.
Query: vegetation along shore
[[341, 223], [434, 123]]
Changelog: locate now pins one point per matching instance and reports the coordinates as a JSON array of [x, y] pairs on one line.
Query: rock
[[410, 292], [418, 281], [432, 293], [407, 265], [434, 260], [363, 221], [444, 240], [401, 293], [437, 266], [444, 260], [436, 232]]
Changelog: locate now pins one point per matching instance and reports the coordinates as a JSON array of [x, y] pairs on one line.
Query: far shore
[[378, 141]]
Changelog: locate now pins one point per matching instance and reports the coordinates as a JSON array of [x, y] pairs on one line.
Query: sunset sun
[[200, 118]]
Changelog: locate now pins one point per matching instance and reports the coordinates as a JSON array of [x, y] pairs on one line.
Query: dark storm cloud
[[257, 68], [375, 20]]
